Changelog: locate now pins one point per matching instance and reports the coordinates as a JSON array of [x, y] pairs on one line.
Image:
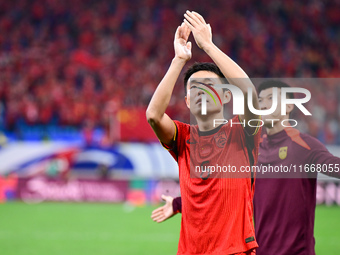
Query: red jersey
[[217, 213]]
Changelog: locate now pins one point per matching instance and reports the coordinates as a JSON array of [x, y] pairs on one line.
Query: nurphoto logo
[[239, 103]]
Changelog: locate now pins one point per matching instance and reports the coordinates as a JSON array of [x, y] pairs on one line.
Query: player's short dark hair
[[274, 84], [204, 66]]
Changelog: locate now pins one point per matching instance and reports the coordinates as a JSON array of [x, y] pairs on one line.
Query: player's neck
[[206, 123], [275, 129]]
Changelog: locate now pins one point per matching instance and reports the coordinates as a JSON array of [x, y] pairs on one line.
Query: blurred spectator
[[103, 171]]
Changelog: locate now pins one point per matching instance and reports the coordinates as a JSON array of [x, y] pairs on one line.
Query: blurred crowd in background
[[75, 63]]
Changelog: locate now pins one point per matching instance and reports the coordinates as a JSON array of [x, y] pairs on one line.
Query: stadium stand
[[66, 65]]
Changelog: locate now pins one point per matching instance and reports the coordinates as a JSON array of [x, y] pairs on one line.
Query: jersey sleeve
[[320, 155], [177, 205], [177, 146], [251, 131], [252, 140]]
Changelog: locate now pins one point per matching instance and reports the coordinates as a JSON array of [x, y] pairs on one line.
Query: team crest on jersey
[[283, 152], [220, 139]]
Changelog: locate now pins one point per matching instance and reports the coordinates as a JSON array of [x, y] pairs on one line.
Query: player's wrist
[[179, 60], [207, 47]]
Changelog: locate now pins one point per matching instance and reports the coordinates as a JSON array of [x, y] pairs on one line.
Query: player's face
[[203, 82], [266, 101]]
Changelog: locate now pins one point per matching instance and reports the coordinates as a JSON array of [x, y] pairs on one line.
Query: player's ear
[[226, 96], [289, 108], [187, 100]]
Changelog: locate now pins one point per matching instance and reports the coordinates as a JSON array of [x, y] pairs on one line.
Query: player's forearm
[[232, 71], [234, 74], [161, 98]]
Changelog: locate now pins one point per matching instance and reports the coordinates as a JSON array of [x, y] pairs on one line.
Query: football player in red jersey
[[217, 213], [284, 205]]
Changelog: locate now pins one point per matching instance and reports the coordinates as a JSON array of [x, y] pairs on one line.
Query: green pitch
[[94, 229]]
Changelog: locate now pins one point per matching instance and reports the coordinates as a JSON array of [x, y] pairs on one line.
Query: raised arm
[[160, 122], [235, 75]]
